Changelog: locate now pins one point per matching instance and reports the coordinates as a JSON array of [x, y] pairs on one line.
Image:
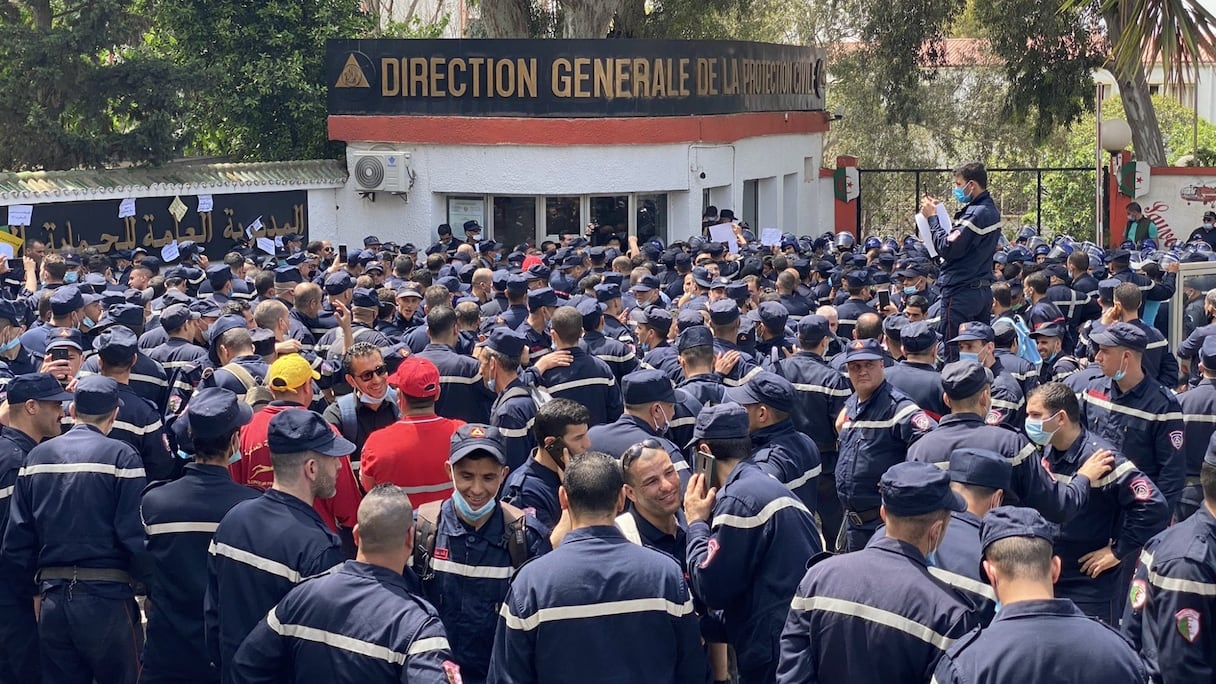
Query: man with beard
[[265, 546]]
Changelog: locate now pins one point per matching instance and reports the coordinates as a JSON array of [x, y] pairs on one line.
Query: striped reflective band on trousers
[[877, 616], [595, 610], [351, 644]]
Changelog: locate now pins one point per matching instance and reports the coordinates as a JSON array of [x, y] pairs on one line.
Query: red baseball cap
[[417, 377]]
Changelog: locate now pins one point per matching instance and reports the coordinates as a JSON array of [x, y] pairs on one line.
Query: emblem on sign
[[352, 75]]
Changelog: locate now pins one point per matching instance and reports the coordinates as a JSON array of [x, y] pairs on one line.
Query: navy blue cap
[[773, 315], [96, 395], [724, 312], [814, 328], [701, 275], [338, 283], [646, 284], [13, 311], [517, 283], [646, 386], [505, 341], [1121, 335], [694, 336], [365, 298], [963, 379], [606, 292], [654, 317], [1047, 329], [1118, 255], [66, 300], [487, 246], [540, 297], [207, 308], [410, 289], [216, 411], [286, 275], [374, 266], [893, 326], [297, 258], [980, 467], [765, 388], [116, 344], [719, 283], [863, 350], [177, 273], [36, 387], [122, 313], [371, 240], [915, 488], [689, 318], [219, 275], [298, 429], [472, 227], [917, 337], [1004, 522], [222, 325], [539, 272], [738, 291], [1003, 333], [1207, 353], [613, 278], [974, 330], [474, 437], [682, 259], [720, 421], [858, 278], [591, 311], [64, 337], [572, 261]]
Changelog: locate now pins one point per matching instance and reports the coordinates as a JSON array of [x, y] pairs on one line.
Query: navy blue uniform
[[76, 505], [18, 628], [1151, 290], [1157, 361], [1125, 510], [1024, 372], [743, 370], [514, 316], [361, 623], [746, 561], [222, 377], [706, 388], [462, 395], [922, 383], [179, 519], [616, 354], [183, 363], [147, 379], [467, 578], [571, 614], [1199, 419], [587, 381], [139, 424], [875, 435], [614, 438], [966, 247], [791, 458], [639, 530], [262, 548], [665, 358], [1144, 424], [1031, 485], [874, 616], [847, 314], [1172, 602], [513, 413], [533, 488], [1041, 641]]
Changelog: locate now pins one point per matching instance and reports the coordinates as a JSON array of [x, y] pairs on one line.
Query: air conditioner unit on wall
[[382, 171]]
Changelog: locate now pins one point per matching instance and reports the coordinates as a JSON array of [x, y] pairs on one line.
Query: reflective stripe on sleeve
[[871, 614], [595, 610]]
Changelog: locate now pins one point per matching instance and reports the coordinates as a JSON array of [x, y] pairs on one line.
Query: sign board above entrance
[[571, 78]]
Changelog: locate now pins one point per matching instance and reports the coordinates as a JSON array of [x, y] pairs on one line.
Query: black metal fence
[[1055, 200]]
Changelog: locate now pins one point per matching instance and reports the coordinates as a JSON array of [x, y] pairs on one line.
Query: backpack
[[349, 422], [427, 525], [1026, 347]]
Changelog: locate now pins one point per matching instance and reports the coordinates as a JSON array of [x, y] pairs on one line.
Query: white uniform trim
[[881, 424], [608, 358], [965, 583], [582, 382], [735, 383], [805, 477], [474, 571], [1173, 583], [255, 561], [1111, 477], [594, 610], [751, 521], [1126, 410], [136, 429], [73, 468], [1199, 418], [820, 389], [459, 380], [177, 527], [871, 614], [353, 645], [1025, 453], [976, 229], [6, 492], [518, 432]]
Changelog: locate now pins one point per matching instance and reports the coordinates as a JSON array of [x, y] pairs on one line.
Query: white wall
[[583, 170]]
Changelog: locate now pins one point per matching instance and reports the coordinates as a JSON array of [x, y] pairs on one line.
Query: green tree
[[78, 88], [258, 89]]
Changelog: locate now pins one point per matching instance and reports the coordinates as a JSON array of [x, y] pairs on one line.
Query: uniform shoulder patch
[[994, 417], [712, 550], [441, 554], [452, 671], [921, 421], [1187, 621], [1176, 439], [1137, 596], [1142, 488]]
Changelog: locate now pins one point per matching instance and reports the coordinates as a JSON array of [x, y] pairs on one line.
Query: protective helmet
[[845, 241]]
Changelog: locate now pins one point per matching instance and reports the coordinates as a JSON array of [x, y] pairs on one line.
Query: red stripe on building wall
[[479, 130]]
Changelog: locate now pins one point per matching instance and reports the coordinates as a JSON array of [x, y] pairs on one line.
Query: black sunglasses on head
[[634, 452]]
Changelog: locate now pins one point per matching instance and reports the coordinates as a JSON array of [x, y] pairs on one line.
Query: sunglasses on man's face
[[366, 376]]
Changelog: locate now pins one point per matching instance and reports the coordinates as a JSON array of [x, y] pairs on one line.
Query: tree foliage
[[79, 89]]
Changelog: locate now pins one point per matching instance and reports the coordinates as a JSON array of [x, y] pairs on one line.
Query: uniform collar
[[634, 420], [436, 346], [712, 377], [966, 518], [917, 364], [1038, 607], [206, 470], [593, 335], [763, 436], [293, 502], [902, 548], [22, 440], [959, 418], [652, 534], [606, 532], [812, 355], [407, 580]]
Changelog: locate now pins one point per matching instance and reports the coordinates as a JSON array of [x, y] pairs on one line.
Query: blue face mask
[[931, 559], [10, 345], [490, 384], [910, 290], [1036, 433], [969, 356], [70, 276], [1120, 374], [236, 456], [389, 395], [88, 322], [468, 512], [960, 196]]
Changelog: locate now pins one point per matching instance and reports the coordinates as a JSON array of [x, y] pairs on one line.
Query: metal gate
[[1056, 200]]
